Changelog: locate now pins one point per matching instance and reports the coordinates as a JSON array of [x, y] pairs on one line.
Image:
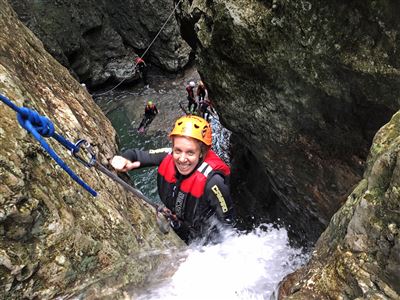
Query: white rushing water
[[243, 266]]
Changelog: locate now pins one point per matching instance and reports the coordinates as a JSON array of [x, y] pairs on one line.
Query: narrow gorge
[[310, 91]]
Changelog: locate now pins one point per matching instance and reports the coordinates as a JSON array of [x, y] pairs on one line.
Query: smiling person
[[193, 182]]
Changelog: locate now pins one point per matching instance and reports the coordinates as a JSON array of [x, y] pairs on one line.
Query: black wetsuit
[[215, 202], [191, 99], [142, 67], [204, 113], [201, 92], [150, 113]]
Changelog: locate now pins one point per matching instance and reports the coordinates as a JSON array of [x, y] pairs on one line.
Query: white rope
[[147, 49]]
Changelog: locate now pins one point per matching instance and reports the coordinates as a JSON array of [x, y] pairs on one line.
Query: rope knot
[[41, 123]]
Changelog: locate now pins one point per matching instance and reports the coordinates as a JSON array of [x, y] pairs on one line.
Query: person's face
[[186, 154]]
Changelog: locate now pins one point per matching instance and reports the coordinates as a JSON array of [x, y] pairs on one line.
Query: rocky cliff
[[358, 255], [303, 86], [98, 40], [55, 237]]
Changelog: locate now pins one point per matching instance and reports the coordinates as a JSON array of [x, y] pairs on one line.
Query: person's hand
[[121, 164], [167, 212]]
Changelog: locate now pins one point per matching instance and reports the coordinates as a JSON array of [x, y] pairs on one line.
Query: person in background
[[204, 102], [205, 105], [150, 112], [193, 182], [192, 106], [142, 68], [201, 91]]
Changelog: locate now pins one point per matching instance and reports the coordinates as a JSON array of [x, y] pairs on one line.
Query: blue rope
[[40, 126]]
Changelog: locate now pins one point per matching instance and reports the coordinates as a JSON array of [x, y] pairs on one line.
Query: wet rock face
[[303, 85], [357, 257], [97, 40], [54, 235]]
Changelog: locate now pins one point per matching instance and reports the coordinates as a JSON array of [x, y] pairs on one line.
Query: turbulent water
[[245, 265]]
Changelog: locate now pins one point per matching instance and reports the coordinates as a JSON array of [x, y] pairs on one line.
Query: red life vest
[[190, 91], [150, 109], [139, 60], [183, 198]]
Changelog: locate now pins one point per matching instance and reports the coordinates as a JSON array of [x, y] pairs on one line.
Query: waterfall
[[243, 266]]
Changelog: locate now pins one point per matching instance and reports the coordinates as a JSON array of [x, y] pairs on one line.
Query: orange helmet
[[194, 127]]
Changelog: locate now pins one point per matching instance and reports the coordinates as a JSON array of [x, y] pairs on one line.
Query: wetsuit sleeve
[[147, 158], [217, 193]]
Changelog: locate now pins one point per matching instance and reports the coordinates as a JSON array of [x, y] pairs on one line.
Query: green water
[[125, 108], [145, 179]]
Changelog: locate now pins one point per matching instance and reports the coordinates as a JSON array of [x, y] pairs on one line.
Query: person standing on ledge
[[193, 182], [201, 91], [142, 68], [192, 105]]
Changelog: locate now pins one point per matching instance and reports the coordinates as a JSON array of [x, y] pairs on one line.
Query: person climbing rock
[[193, 182], [150, 112], [192, 105], [142, 68]]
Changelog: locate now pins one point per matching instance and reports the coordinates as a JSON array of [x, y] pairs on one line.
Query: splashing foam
[[243, 266]]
